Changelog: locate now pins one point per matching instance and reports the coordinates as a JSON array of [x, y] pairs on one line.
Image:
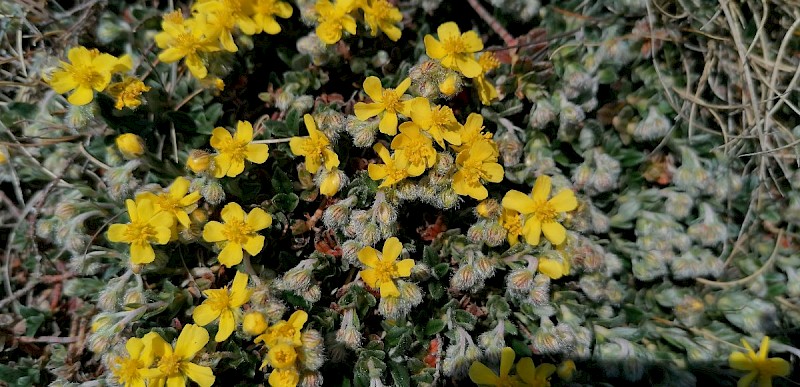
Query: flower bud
[[312, 351], [464, 278], [390, 307], [254, 323], [363, 132], [654, 127], [337, 214], [199, 161], [133, 299], [349, 333], [213, 193], [495, 234], [370, 234], [447, 199], [542, 114], [489, 209], [407, 191], [130, 145], [330, 182], [310, 379], [382, 211], [410, 293], [444, 163], [477, 232], [450, 86], [521, 279], [566, 370], [312, 294]]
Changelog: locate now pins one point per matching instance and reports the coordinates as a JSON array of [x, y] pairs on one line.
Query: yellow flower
[[386, 104], [450, 85], [454, 49], [254, 323], [287, 332], [553, 268], [472, 133], [284, 378], [381, 15], [475, 164], [541, 215], [482, 375], [184, 39], [174, 200], [281, 356], [393, 170], [486, 90], [234, 150], [130, 145], [238, 232], [224, 304], [133, 370], [128, 92], [264, 12], [220, 17], [88, 71], [333, 18], [438, 121], [383, 268], [566, 370], [415, 147], [759, 366], [147, 226], [175, 364], [533, 376], [316, 148]]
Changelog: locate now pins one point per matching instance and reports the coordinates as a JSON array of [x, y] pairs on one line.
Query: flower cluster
[[339, 16], [211, 28], [290, 350]]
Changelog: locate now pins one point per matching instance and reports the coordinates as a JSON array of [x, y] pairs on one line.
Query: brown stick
[[493, 23]]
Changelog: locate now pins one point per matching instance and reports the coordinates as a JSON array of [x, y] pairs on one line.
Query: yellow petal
[[373, 88], [494, 172], [257, 153], [404, 267], [239, 292], [763, 349], [551, 268], [213, 232], [163, 235], [527, 371], [170, 55], [564, 201], [554, 232], [778, 366], [365, 111], [116, 233], [203, 376], [402, 87], [369, 257], [204, 314], [195, 65], [388, 124], [244, 132], [297, 145], [518, 201], [258, 219], [311, 125], [179, 188], [532, 230], [747, 380], [472, 42], [370, 277], [134, 346], [81, 96], [254, 244], [389, 289], [434, 48], [162, 219], [448, 30], [236, 167], [392, 249], [541, 189], [191, 340], [142, 253], [227, 325], [506, 361], [544, 371], [482, 375], [232, 212], [468, 66], [231, 255]]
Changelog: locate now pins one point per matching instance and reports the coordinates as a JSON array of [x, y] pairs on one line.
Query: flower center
[[282, 356], [391, 102], [220, 300], [314, 147], [140, 232], [380, 9], [505, 381], [440, 117], [471, 170], [237, 150], [454, 45], [86, 76], [488, 62], [545, 212], [237, 231], [385, 271], [169, 365], [187, 42], [512, 224], [127, 370], [167, 203]]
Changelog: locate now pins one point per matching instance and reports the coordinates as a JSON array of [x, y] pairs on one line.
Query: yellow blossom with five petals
[[133, 370], [393, 170], [287, 332], [238, 233], [541, 214], [87, 72], [383, 268], [224, 304], [334, 18], [315, 147], [438, 121], [234, 150], [176, 200], [264, 13], [454, 49], [487, 92], [284, 378], [476, 164], [415, 147], [759, 367], [185, 39], [382, 15], [175, 364], [147, 226], [387, 103]]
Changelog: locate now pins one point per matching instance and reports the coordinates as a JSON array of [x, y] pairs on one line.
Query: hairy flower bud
[[130, 145], [254, 323], [200, 161], [213, 193]]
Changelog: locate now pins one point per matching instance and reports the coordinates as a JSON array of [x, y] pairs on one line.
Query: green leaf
[[285, 202], [280, 181], [436, 290], [440, 270], [399, 374], [33, 319], [434, 326]]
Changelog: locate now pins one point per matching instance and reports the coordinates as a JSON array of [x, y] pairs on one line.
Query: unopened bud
[[448, 199], [464, 278], [213, 193], [311, 353], [444, 163], [488, 209], [199, 161], [254, 323], [130, 145], [450, 86]]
